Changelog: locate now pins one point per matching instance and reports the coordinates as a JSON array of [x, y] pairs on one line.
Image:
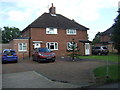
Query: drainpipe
[[29, 41]]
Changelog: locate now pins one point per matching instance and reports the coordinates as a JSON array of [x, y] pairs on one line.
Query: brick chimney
[[52, 10]]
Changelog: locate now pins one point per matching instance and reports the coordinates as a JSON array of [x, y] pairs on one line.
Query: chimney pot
[[52, 9]]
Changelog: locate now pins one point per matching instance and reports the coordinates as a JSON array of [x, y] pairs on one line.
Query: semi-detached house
[[106, 39], [54, 31]]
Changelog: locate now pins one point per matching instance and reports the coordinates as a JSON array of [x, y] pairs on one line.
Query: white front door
[[87, 49], [37, 45]]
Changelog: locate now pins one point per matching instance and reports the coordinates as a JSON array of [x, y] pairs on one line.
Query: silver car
[[99, 50]]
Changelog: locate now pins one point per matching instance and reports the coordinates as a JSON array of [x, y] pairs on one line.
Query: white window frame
[[37, 45], [70, 48], [49, 30], [52, 43], [21, 48], [71, 31]]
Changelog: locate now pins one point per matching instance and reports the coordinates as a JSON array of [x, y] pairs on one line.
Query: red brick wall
[[105, 38], [26, 33], [61, 38], [14, 45]]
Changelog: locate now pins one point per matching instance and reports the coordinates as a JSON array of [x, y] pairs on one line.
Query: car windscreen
[[11, 52], [104, 47], [44, 50]]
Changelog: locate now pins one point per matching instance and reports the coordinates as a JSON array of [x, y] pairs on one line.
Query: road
[[72, 72]]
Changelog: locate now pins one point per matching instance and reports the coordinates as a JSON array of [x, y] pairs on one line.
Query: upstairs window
[[51, 30], [71, 31]]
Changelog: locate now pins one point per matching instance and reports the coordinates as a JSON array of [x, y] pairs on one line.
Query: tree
[[73, 48], [9, 33], [96, 39], [116, 33]]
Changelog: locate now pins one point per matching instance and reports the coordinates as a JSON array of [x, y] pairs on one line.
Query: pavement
[[32, 79], [110, 85]]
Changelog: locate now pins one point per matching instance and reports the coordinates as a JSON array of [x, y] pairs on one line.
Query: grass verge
[[110, 57], [107, 75]]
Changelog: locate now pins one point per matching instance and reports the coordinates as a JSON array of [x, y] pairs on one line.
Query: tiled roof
[[85, 41], [108, 31], [22, 38], [56, 21]]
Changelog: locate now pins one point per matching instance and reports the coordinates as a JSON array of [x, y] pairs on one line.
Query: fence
[[5, 46]]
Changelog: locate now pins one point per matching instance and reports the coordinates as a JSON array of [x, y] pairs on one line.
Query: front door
[[87, 49]]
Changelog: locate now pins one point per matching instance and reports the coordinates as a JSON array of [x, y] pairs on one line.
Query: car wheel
[[37, 59], [53, 60], [16, 61], [3, 62]]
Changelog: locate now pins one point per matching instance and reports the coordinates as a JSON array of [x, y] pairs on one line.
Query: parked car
[[9, 55], [43, 54], [99, 50]]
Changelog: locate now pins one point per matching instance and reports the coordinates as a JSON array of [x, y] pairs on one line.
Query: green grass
[[113, 72], [111, 57], [101, 72]]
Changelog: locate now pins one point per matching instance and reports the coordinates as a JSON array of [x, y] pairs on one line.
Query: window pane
[[52, 47], [24, 46], [56, 46], [70, 46], [48, 46], [71, 31], [20, 46], [51, 30]]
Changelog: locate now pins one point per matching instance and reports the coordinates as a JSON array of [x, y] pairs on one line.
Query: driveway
[[31, 79], [72, 72]]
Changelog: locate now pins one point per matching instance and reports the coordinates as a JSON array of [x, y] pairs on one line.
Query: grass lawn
[[111, 57], [101, 72], [112, 73]]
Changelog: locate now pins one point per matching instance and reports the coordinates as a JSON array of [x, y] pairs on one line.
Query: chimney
[[52, 10], [119, 6]]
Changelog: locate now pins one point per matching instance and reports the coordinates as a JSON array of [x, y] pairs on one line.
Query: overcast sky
[[97, 15]]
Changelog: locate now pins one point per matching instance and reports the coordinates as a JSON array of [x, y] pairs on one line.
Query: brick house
[[105, 39], [21, 45], [56, 32]]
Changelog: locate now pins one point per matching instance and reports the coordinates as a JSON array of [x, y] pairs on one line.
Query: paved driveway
[[73, 72]]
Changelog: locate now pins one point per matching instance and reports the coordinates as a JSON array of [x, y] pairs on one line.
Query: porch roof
[[85, 41]]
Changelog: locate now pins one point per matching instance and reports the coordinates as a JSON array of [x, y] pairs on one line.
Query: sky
[[97, 15]]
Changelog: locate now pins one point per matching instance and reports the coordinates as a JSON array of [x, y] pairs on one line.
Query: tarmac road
[[71, 72]]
